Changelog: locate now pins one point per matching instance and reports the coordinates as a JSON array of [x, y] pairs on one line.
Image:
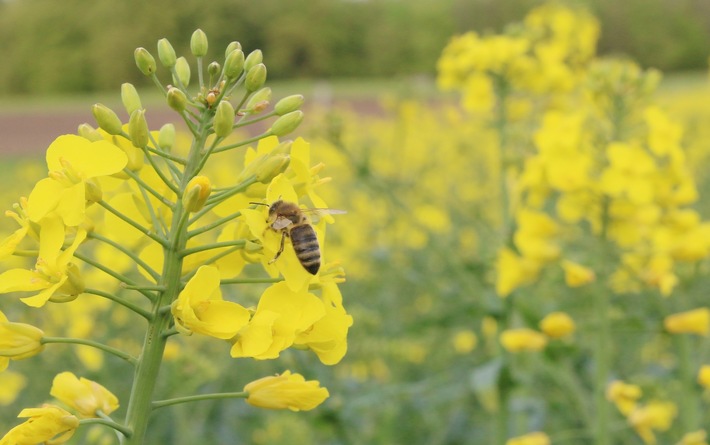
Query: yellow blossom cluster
[[541, 55]]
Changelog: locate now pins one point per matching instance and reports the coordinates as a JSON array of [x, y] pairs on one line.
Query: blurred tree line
[[87, 45]]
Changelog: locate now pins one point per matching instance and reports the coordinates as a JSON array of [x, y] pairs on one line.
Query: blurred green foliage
[[83, 45]]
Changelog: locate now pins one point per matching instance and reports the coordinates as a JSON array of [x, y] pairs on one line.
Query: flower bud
[[138, 129], [182, 72], [19, 340], [271, 167], [284, 391], [213, 69], [198, 43], [166, 53], [283, 148], [166, 136], [130, 98], [145, 61], [287, 123], [92, 191], [88, 132], [254, 58], [232, 47], [258, 101], [176, 99], [107, 119], [256, 77], [71, 288], [288, 104], [223, 119], [234, 64], [196, 193]]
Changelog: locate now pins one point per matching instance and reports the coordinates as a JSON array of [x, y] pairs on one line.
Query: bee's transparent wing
[[317, 214], [324, 211], [281, 223]]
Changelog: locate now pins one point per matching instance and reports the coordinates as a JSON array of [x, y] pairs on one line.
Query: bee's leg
[[281, 248]]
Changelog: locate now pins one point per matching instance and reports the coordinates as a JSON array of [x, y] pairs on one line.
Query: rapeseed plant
[[126, 210]]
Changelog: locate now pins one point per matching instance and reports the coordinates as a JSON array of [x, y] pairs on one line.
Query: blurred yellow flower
[[654, 416], [704, 376], [537, 438], [18, 341], [694, 438], [514, 271], [523, 339], [464, 341], [286, 391], [557, 325], [624, 395], [577, 275], [88, 398], [48, 424], [696, 321], [11, 383]]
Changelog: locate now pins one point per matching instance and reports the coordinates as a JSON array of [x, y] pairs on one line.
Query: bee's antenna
[[259, 204]]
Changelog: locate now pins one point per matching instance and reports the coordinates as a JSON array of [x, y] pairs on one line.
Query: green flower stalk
[[171, 212]]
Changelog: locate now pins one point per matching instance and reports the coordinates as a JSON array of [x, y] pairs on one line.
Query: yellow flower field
[[524, 259]]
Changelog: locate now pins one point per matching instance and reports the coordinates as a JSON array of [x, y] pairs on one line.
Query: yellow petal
[[91, 159]]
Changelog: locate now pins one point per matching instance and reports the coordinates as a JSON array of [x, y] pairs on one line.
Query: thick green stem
[[146, 375], [689, 400], [602, 355]]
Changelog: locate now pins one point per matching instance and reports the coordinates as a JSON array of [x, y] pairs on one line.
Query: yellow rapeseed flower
[[557, 325], [18, 341], [577, 275], [696, 321], [654, 416], [704, 376], [48, 424], [694, 438], [88, 398], [286, 391], [623, 395], [200, 308], [523, 339], [537, 438], [464, 341], [72, 161]]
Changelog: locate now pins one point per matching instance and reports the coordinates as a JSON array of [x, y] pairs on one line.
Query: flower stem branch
[[140, 228], [81, 341], [143, 185], [109, 423], [196, 249], [125, 303], [127, 252], [200, 397], [242, 142], [214, 224]]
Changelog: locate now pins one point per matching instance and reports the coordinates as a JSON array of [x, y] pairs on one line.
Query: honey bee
[[291, 220]]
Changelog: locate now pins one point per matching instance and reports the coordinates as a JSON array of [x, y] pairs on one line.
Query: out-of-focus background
[[415, 170]]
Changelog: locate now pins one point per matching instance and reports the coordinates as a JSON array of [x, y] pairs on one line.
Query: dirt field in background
[[30, 133]]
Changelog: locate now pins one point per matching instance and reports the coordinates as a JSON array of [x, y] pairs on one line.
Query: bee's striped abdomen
[[305, 244]]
